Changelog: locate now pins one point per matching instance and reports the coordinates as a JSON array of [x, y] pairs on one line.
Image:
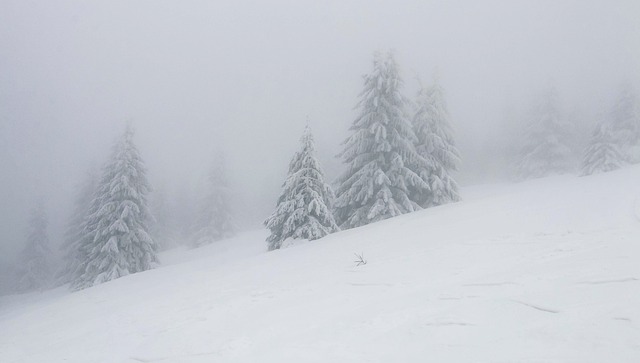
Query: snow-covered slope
[[542, 271]]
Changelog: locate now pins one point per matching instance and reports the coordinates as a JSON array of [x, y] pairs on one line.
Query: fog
[[196, 77]]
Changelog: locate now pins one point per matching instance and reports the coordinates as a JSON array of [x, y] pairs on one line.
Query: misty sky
[[195, 77]]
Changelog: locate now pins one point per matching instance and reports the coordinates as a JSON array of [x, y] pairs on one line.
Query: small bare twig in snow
[[360, 260]]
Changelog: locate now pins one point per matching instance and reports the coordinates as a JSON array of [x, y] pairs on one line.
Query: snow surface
[[541, 271]]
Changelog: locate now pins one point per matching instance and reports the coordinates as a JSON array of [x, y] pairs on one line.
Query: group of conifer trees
[[399, 158], [108, 235], [616, 139], [546, 147]]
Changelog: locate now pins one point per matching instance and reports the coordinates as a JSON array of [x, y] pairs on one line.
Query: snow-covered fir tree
[[34, 268], [379, 153], [74, 234], [87, 236], [603, 153], [117, 242], [303, 210], [216, 220], [625, 123], [544, 149], [436, 146]]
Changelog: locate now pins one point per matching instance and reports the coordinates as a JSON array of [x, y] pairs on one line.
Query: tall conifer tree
[[603, 154], [304, 207], [116, 240], [216, 221], [73, 237], [625, 123], [436, 146], [35, 267], [545, 149], [379, 153]]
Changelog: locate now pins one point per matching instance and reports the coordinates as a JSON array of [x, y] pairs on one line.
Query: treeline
[[111, 232], [546, 147], [400, 157]]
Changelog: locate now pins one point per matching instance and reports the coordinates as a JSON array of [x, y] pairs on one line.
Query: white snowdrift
[[542, 271]]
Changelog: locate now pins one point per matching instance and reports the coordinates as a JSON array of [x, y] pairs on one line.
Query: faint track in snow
[[148, 360], [540, 308], [491, 283], [450, 323], [612, 281], [159, 359], [482, 243], [369, 284], [458, 297]]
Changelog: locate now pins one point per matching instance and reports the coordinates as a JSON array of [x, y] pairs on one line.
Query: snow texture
[[542, 271]]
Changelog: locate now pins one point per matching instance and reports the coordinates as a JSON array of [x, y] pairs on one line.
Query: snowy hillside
[[542, 271]]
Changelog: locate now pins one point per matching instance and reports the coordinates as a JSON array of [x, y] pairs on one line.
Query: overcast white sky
[[243, 76]]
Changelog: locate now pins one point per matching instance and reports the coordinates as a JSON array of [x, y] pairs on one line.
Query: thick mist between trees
[[197, 78]]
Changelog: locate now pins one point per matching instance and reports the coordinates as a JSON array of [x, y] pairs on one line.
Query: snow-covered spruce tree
[[436, 146], [625, 123], [215, 220], [35, 267], [304, 207], [378, 153], [86, 237], [544, 149], [603, 154], [74, 234], [117, 242]]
